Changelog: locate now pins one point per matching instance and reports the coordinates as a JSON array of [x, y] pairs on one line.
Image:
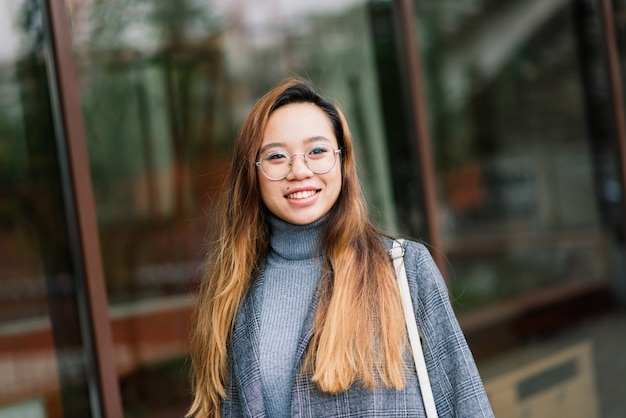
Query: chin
[[304, 219]]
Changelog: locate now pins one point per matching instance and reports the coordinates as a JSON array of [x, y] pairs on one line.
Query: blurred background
[[493, 131]]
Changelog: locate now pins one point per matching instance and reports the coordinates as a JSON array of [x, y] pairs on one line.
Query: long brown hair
[[359, 330]]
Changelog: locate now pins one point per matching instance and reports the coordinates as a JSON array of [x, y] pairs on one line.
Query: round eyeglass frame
[[306, 162]]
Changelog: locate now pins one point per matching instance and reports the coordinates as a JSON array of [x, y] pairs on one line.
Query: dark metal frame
[[83, 209], [417, 94], [617, 95]]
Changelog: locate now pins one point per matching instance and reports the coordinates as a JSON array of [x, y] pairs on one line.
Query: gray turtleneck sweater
[[287, 287]]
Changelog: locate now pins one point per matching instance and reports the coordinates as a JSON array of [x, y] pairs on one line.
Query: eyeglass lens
[[319, 158]]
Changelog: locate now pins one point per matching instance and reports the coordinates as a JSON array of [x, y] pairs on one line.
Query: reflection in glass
[[612, 189], [164, 87], [521, 121], [511, 148], [163, 90], [42, 357]]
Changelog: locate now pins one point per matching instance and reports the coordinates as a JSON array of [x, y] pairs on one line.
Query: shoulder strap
[[397, 254]]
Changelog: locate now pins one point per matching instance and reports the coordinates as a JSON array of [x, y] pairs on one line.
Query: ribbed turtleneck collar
[[296, 242]]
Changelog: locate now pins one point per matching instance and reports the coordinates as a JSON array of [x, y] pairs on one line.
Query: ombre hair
[[359, 332]]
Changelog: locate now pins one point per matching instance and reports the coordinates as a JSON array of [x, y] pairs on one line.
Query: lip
[[310, 194]]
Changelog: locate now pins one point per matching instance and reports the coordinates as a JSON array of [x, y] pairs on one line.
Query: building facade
[[493, 131]]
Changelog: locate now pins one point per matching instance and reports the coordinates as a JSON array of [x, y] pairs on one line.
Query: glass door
[[530, 198], [164, 87], [44, 365], [512, 149]]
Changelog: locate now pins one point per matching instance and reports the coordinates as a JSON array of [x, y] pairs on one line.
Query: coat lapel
[[245, 346], [302, 385], [246, 358]]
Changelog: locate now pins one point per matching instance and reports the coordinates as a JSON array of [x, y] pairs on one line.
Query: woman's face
[[303, 196]]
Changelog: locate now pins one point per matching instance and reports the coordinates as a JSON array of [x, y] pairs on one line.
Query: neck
[[296, 242]]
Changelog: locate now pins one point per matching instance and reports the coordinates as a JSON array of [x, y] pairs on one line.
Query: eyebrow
[[307, 141]]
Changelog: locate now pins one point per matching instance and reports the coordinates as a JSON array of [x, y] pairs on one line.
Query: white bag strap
[[397, 254]]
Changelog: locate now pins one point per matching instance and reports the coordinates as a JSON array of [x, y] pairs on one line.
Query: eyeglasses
[[277, 164]]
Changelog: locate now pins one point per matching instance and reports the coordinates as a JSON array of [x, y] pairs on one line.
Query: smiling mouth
[[301, 195]]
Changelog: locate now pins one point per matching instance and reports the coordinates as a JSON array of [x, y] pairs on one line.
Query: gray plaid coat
[[456, 384]]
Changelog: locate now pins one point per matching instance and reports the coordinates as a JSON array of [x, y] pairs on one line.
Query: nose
[[299, 169]]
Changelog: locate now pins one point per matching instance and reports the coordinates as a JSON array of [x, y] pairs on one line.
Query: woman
[[299, 311]]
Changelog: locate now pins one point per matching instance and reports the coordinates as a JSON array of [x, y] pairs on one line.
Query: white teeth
[[301, 195]]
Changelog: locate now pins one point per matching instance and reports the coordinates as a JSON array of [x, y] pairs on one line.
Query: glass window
[[44, 366], [517, 197], [165, 86], [523, 148]]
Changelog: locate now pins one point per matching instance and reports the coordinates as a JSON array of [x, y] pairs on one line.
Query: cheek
[[263, 190], [337, 183], [270, 191]]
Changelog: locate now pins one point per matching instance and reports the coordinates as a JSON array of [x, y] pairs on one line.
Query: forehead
[[297, 124]]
